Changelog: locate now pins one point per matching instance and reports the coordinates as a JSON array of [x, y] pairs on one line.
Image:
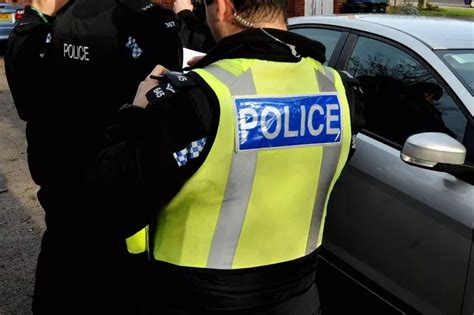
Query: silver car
[[399, 229], [9, 15]]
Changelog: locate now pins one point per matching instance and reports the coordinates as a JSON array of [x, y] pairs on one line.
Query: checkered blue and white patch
[[132, 44], [192, 151]]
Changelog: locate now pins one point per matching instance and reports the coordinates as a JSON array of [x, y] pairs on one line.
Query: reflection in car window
[[402, 97], [328, 38]]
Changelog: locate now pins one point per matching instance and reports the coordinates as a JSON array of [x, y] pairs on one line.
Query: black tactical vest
[[100, 52]]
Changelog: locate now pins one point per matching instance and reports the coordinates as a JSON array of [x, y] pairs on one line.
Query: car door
[[397, 238], [407, 229]]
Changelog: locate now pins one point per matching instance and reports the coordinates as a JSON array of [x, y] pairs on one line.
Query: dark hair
[[263, 10]]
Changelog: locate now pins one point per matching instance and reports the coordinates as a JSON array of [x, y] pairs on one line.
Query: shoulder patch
[[171, 84], [179, 79], [138, 5], [163, 91], [135, 50]]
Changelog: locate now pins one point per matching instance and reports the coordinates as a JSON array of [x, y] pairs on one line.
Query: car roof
[[437, 33]]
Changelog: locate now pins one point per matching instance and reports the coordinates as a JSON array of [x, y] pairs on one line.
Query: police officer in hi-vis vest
[[237, 159]]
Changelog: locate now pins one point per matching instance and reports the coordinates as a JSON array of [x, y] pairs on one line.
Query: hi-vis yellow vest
[[252, 204]]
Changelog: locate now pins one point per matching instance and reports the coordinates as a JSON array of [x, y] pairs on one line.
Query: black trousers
[[306, 303], [83, 268], [282, 289]]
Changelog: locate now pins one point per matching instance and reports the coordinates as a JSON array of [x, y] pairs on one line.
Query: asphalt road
[[21, 217]]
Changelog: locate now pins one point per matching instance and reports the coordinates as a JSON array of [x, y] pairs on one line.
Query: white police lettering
[[182, 78], [312, 131], [76, 52], [247, 124], [287, 121], [289, 133], [332, 118], [272, 116]]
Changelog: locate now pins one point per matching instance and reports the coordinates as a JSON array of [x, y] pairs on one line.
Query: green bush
[[404, 9]]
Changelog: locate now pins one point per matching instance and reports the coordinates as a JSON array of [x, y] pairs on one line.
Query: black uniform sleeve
[[24, 67], [147, 39], [194, 31], [147, 164]]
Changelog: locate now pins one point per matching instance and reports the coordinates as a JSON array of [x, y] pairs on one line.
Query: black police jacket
[[188, 112], [100, 51], [27, 74]]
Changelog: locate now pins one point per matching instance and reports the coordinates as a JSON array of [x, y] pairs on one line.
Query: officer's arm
[[150, 163], [163, 41], [355, 98], [24, 71]]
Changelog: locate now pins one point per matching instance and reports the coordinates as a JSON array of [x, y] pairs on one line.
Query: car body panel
[[404, 228], [7, 23], [408, 222], [468, 308]]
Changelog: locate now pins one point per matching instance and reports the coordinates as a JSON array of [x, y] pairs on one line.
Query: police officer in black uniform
[[99, 52], [27, 74]]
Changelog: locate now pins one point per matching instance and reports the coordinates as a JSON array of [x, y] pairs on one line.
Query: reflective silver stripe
[[233, 210], [331, 156], [239, 185], [226, 77], [325, 83], [328, 72]]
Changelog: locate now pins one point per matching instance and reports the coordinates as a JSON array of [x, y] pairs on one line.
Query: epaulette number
[[160, 92]]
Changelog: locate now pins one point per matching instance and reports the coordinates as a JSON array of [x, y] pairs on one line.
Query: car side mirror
[[439, 152]]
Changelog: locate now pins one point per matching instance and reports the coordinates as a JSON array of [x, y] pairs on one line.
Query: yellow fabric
[[185, 227], [138, 243], [301, 168], [279, 212], [346, 144]]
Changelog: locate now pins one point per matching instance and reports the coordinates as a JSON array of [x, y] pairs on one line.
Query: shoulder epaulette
[[140, 6], [171, 85]]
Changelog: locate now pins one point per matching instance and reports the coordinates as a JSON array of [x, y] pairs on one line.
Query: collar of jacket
[[32, 20], [255, 44]]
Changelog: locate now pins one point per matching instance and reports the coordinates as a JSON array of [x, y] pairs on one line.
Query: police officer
[[238, 158], [27, 74], [100, 51]]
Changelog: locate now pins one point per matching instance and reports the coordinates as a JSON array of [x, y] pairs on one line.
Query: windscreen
[[462, 64]]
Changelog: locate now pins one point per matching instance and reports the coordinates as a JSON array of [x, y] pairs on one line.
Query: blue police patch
[[287, 121]]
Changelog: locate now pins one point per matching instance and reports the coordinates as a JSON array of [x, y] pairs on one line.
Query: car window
[[402, 96], [329, 38], [461, 62]]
